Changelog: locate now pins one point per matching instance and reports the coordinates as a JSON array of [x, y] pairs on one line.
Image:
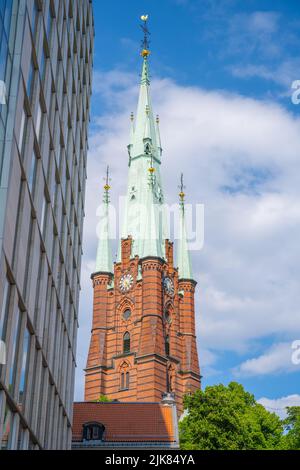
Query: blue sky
[[221, 80], [205, 42]]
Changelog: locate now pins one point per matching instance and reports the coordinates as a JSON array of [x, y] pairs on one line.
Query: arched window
[[124, 382], [127, 314], [93, 432], [126, 343], [167, 345]]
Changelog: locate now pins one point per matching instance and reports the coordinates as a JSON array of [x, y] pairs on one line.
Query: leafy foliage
[[291, 440], [228, 418], [103, 399]]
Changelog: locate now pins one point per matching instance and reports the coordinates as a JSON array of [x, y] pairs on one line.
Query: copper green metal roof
[[183, 258], [145, 200]]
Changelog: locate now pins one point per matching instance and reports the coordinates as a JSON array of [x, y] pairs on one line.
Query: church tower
[[143, 341]]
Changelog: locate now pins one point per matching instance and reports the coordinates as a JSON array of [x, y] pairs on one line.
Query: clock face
[[169, 286], [126, 283]]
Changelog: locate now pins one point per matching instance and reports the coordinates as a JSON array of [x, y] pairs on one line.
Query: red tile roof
[[126, 422]]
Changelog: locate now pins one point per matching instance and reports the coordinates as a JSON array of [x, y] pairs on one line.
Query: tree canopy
[[291, 438], [228, 418]]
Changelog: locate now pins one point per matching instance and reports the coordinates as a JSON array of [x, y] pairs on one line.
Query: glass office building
[[46, 58]]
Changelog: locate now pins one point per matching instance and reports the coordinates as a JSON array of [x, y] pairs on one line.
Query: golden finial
[[145, 42], [145, 53], [107, 186]]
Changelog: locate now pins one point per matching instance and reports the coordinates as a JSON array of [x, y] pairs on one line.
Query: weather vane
[[107, 185], [182, 188], [145, 42]]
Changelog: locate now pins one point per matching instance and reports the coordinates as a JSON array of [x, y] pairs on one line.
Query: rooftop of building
[[129, 422]]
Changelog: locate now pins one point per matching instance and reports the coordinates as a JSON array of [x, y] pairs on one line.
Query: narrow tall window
[[167, 345], [124, 381], [38, 122], [43, 65], [22, 131], [32, 174], [126, 343], [3, 323], [25, 350], [34, 18], [14, 352], [4, 309], [124, 376], [30, 81], [43, 216]]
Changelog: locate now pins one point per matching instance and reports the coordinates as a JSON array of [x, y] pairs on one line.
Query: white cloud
[[241, 159], [279, 405], [263, 22], [283, 74], [278, 359], [254, 34]]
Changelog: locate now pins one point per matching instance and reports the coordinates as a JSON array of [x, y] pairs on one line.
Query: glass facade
[[44, 114], [6, 60]]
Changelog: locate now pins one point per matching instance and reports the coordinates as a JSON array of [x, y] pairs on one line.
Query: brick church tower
[[143, 341]]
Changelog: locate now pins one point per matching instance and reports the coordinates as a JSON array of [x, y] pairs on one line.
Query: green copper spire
[[144, 201], [104, 255], [184, 260]]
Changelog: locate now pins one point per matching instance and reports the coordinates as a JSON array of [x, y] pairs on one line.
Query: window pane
[[30, 80], [167, 345], [32, 174], [4, 310], [43, 219], [126, 343], [25, 351], [2, 92], [15, 342], [38, 122], [22, 128], [7, 428], [3, 323]]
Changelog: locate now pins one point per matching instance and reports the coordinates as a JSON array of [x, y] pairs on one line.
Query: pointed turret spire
[[184, 260], [104, 254], [144, 200]]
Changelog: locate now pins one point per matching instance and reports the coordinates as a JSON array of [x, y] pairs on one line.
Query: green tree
[[103, 399], [228, 418], [291, 440]]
